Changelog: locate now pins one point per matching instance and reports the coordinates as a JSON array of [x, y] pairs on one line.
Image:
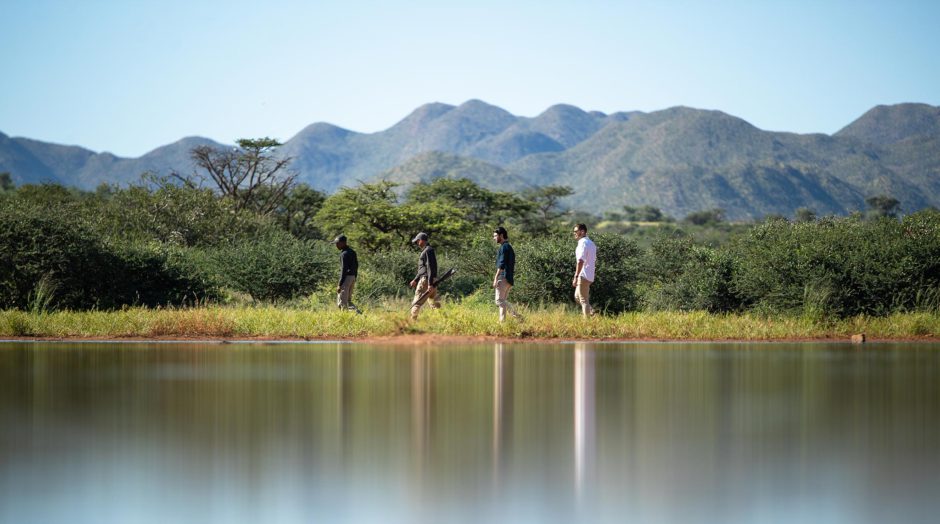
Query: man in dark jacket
[[349, 270], [426, 278]]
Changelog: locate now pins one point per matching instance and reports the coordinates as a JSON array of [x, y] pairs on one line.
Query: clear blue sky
[[128, 76]]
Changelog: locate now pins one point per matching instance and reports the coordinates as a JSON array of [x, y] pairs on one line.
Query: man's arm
[[510, 259], [422, 267], [577, 271], [500, 264], [344, 266], [432, 267]]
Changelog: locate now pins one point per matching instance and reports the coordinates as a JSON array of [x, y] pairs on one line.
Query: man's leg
[[501, 291], [577, 293], [418, 301], [349, 292], [502, 296], [435, 302], [342, 297], [509, 306], [584, 297]]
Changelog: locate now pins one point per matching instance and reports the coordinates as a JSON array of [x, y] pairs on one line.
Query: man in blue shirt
[[505, 269]]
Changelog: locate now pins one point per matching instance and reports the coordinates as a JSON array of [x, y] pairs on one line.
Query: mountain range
[[680, 159]]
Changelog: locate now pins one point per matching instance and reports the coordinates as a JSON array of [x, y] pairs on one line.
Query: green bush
[[545, 267], [839, 267], [52, 255], [156, 274], [384, 274], [677, 274], [275, 266], [475, 261], [174, 215], [614, 287], [52, 247]]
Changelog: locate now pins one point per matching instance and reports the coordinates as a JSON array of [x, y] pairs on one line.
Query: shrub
[[545, 266], [384, 274], [275, 266], [838, 267], [176, 215], [680, 275], [51, 255], [156, 274]]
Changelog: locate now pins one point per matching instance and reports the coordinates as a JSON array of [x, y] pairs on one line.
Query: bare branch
[[250, 175]]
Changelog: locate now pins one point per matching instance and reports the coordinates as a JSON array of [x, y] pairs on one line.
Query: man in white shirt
[[586, 255]]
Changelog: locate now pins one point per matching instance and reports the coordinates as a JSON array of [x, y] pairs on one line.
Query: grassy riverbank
[[391, 319]]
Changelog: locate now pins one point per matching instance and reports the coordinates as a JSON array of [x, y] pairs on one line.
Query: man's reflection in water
[[585, 430], [420, 409], [344, 396], [502, 409]]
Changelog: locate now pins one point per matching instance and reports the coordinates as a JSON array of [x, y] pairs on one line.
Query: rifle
[[447, 274]]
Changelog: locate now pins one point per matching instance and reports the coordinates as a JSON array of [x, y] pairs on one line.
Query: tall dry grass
[[471, 318]]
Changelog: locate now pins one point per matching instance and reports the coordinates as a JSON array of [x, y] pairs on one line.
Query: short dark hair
[[502, 232], [582, 227]]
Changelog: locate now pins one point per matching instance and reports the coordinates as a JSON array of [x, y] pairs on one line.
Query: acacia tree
[[546, 208], [480, 206], [296, 212], [707, 217], [371, 215], [6, 182], [805, 214], [249, 174], [883, 206], [643, 214]]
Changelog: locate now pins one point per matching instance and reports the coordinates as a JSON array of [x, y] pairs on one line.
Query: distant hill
[[328, 156], [427, 167], [884, 125], [35, 162], [679, 159], [684, 160]]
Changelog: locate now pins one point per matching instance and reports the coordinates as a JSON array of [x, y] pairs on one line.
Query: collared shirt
[[349, 264], [506, 260], [427, 265], [587, 252]]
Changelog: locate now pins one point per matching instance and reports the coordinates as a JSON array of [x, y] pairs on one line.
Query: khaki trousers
[[344, 297], [418, 301], [502, 293], [582, 295]]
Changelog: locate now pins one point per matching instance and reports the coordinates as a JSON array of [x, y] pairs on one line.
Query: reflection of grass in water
[[473, 318]]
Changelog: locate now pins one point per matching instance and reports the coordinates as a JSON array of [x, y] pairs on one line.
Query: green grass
[[471, 318]]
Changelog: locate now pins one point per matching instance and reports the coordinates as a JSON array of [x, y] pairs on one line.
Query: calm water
[[103, 433]]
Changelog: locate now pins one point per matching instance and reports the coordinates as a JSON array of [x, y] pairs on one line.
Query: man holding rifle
[[425, 282]]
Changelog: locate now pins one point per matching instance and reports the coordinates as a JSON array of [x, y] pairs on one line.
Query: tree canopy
[[251, 175]]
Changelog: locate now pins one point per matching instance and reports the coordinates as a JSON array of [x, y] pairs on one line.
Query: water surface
[[514, 433]]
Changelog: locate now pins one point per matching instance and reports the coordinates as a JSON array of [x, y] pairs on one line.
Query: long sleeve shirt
[[586, 252], [427, 265], [506, 261], [349, 264]]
